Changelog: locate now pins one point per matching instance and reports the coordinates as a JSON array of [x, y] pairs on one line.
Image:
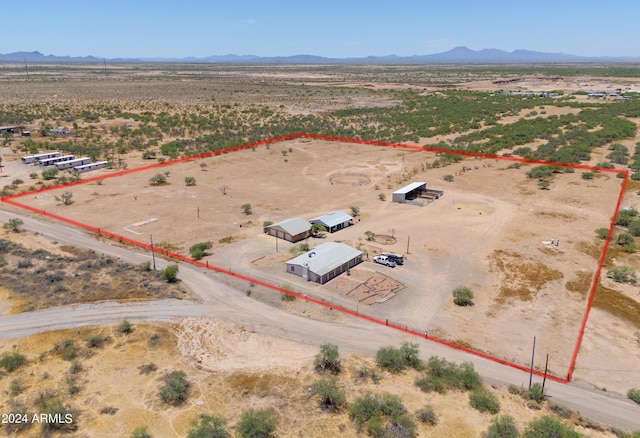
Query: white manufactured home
[[90, 166]]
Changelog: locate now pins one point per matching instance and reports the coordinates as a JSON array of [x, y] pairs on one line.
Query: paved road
[[220, 301]]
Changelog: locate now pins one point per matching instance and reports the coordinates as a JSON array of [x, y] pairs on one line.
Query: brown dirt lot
[[491, 232]]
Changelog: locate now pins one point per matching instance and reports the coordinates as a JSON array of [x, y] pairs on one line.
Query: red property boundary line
[[12, 201]]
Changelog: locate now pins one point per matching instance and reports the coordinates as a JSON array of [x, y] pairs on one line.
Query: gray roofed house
[[334, 221], [324, 262], [293, 230]]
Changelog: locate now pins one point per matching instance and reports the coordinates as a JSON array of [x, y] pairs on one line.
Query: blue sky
[[332, 28]]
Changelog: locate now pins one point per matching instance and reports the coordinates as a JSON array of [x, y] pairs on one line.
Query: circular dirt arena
[[350, 178]]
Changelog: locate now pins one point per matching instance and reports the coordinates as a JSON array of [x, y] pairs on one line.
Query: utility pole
[[533, 353], [153, 254], [546, 366], [408, 240]]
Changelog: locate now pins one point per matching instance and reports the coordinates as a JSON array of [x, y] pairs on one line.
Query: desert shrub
[[448, 178], [536, 392], [147, 368], [625, 216], [602, 233], [125, 327], [96, 341], [154, 340], [484, 401], [622, 274], [14, 225], [502, 427], [532, 404], [189, 181], [15, 388], [462, 296], [246, 209], [75, 367], [627, 242], [145, 266], [355, 211], [427, 415], [588, 423], [170, 273], [50, 173], [382, 197], [328, 359], [109, 410], [331, 397], [518, 390], [199, 250], [634, 228], [209, 426], [398, 359], [634, 395], [378, 415], [175, 389], [72, 385], [140, 432], [540, 172], [12, 361], [549, 426], [256, 424], [158, 179], [265, 225], [442, 375], [53, 407], [588, 175], [561, 410], [67, 349]]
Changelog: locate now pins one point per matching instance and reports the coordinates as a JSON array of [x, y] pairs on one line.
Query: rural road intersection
[[215, 300]]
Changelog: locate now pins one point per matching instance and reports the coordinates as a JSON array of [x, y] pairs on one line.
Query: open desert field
[[493, 231]]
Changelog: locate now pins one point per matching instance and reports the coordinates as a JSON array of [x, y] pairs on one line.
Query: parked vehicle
[[384, 260], [395, 257]]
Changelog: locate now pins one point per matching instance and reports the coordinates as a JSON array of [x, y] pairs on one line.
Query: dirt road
[[220, 301]]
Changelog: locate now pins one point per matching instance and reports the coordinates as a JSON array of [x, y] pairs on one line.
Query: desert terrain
[[529, 254]]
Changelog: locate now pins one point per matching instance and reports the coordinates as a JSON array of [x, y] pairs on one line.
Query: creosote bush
[[170, 273], [12, 361], [398, 359], [328, 359], [462, 296], [484, 401], [256, 424], [175, 389]]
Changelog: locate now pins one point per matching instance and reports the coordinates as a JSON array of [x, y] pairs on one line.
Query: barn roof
[[293, 226], [332, 219], [326, 257], [409, 188]]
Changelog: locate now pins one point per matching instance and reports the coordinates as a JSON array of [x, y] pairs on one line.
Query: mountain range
[[458, 55]]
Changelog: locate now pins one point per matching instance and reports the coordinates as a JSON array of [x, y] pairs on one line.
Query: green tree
[[256, 424], [502, 427], [331, 397], [175, 389], [199, 250], [170, 273], [540, 172], [209, 426], [355, 211], [634, 228], [549, 426], [588, 175], [370, 235], [66, 198], [14, 225], [328, 359], [50, 173], [158, 179], [462, 296], [318, 229], [246, 209]]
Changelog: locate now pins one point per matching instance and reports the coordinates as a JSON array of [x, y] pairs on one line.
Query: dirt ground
[[229, 370], [492, 231]]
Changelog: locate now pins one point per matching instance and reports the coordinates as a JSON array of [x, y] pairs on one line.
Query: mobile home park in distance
[[90, 166], [38, 157], [54, 160], [73, 163]]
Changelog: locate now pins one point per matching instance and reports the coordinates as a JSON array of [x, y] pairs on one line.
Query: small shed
[[292, 230], [334, 221], [324, 262]]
